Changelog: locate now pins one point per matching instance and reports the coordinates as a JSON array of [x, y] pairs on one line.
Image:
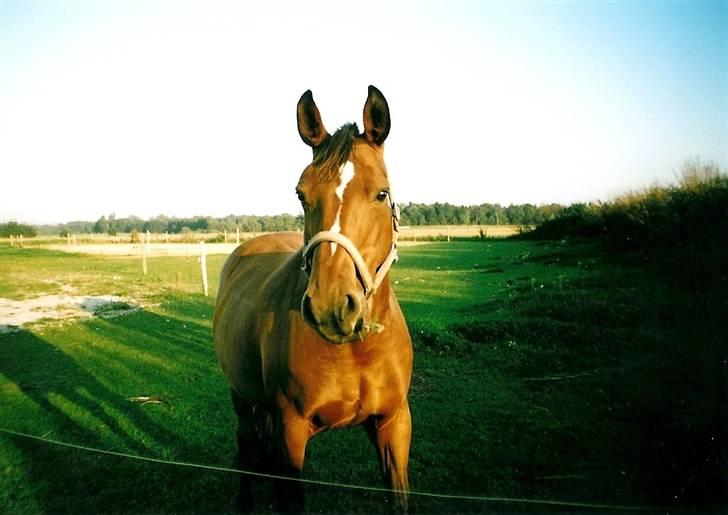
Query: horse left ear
[[376, 117], [310, 127]]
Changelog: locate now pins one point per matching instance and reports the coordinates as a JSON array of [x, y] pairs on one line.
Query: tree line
[[15, 229], [411, 214], [111, 225], [482, 214]]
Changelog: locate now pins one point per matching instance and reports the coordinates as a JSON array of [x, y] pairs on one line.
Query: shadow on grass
[[74, 385]]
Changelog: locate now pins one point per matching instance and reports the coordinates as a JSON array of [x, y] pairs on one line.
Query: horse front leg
[[294, 432], [392, 436], [247, 457]]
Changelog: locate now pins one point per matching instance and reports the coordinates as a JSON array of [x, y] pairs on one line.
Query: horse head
[[350, 220]]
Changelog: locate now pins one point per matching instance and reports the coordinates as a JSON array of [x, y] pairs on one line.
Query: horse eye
[[301, 197], [382, 196]]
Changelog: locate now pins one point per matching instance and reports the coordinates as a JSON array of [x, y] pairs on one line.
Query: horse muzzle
[[339, 314], [338, 322]]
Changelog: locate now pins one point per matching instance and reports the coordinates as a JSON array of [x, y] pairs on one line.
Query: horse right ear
[[310, 127]]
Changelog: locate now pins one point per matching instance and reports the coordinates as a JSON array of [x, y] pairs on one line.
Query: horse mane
[[335, 150]]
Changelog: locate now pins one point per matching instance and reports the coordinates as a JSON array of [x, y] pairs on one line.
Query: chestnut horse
[[307, 329]]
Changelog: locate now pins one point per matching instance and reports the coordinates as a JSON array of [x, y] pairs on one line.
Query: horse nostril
[[350, 314], [307, 311], [351, 303], [352, 306]]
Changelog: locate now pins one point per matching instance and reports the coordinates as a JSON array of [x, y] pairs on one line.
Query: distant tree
[[157, 224], [463, 215], [15, 229], [101, 225]]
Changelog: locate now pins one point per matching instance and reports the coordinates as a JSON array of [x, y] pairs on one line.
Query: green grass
[[542, 370], [29, 272]]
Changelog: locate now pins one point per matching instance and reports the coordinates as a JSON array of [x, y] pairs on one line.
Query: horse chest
[[339, 413], [348, 401]]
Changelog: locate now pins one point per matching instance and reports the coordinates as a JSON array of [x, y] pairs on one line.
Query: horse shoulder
[[244, 303]]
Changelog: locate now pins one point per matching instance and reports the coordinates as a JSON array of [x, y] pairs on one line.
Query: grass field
[[557, 371]]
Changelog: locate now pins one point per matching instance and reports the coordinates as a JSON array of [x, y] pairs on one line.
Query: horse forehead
[[364, 166], [368, 160], [347, 172], [349, 177]]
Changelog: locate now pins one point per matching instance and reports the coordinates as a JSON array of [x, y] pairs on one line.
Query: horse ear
[[376, 117], [310, 127]]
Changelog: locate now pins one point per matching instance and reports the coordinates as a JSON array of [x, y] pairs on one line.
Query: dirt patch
[[16, 313]]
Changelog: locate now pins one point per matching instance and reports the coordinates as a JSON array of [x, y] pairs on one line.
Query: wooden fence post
[[203, 266], [144, 256], [12, 241], [237, 237], [225, 235], [20, 242]]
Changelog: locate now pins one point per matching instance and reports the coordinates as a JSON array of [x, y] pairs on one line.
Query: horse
[[307, 329]]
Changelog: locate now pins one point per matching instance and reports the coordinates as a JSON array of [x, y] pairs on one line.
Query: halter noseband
[[370, 284]]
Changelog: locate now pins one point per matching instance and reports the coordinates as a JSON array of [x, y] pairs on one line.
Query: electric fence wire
[[454, 497]]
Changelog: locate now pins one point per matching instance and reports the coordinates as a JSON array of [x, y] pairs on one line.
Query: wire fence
[[344, 486]]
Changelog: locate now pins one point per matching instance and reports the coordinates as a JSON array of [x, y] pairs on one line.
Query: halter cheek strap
[[371, 285]]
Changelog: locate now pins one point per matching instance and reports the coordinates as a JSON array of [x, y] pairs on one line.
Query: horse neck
[[380, 302]]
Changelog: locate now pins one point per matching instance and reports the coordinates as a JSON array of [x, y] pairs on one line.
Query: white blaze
[[346, 174]]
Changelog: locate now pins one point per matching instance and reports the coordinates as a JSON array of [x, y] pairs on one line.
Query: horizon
[[239, 215], [145, 108], [300, 213]]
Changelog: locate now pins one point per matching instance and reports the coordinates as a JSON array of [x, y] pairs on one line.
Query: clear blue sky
[[146, 107]]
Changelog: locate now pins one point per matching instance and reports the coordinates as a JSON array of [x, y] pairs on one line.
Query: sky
[[149, 107]]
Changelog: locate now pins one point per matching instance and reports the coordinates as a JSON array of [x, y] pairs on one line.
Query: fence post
[[12, 241], [68, 238], [144, 256], [237, 237], [203, 266], [225, 235], [448, 234], [20, 242]]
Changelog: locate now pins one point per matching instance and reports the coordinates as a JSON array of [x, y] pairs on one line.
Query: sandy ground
[[408, 236], [160, 249], [153, 249], [457, 231], [16, 313]]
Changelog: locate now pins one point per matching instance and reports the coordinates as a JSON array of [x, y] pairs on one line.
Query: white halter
[[370, 284]]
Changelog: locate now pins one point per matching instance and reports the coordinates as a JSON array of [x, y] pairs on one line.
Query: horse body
[[306, 349], [265, 349]]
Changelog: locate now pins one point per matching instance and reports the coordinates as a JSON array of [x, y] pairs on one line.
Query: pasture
[[556, 371], [94, 243]]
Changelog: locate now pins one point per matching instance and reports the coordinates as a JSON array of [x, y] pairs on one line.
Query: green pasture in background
[[558, 370]]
